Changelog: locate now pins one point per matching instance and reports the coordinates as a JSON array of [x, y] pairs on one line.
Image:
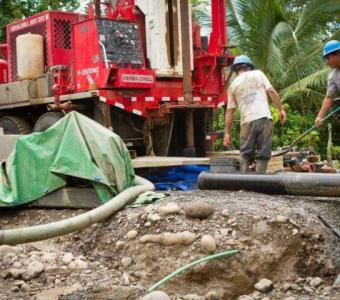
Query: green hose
[[194, 263]]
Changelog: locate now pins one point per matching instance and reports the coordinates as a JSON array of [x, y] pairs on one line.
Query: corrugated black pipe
[[304, 184]]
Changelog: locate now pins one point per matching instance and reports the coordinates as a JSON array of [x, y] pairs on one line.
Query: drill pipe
[[303, 184]]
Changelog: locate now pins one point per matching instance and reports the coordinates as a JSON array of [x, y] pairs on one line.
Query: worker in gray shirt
[[332, 56]]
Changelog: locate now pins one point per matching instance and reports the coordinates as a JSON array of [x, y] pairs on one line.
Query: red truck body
[[107, 56]]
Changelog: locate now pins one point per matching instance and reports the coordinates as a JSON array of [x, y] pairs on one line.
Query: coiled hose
[[59, 228]]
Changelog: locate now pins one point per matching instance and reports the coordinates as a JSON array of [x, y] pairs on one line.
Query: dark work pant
[[256, 139]]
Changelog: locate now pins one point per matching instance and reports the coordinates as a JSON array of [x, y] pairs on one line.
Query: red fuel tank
[[3, 71]]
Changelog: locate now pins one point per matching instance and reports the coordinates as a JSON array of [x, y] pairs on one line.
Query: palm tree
[[284, 38], [286, 44]]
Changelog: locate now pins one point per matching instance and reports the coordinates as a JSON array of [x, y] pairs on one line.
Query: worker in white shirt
[[249, 92]]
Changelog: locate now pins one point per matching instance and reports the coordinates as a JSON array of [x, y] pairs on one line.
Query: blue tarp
[[182, 178]]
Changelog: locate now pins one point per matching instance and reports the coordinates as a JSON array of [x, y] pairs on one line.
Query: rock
[[22, 285], [295, 287], [264, 285], [336, 283], [192, 297], [213, 295], [25, 287], [225, 212], [131, 235], [18, 283], [81, 264], [17, 273], [231, 222], [245, 297], [76, 287], [308, 289], [327, 291], [5, 274], [126, 279], [282, 219], [295, 231], [168, 238], [120, 245], [126, 261], [199, 210], [208, 243], [5, 249], [17, 265], [170, 209], [34, 269], [289, 298], [286, 287], [14, 289], [153, 217], [147, 224], [49, 256], [261, 228], [302, 280], [187, 237], [315, 282], [67, 258], [256, 295], [158, 295]]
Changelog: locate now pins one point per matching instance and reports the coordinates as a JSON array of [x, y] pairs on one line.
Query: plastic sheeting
[[182, 178], [75, 146]]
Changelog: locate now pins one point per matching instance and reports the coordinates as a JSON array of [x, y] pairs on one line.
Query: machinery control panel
[[122, 42]]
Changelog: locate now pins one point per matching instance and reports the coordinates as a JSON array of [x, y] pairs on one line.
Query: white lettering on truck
[[88, 71]]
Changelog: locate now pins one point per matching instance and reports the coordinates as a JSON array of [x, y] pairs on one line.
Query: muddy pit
[[111, 260]]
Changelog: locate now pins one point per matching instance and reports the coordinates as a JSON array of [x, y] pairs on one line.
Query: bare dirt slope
[[118, 260]]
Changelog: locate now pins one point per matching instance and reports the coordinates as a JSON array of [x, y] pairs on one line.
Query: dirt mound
[[279, 238]]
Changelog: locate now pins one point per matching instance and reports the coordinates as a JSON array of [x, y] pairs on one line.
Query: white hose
[[59, 228]]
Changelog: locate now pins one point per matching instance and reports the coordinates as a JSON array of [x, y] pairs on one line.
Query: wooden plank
[[160, 161], [274, 165]]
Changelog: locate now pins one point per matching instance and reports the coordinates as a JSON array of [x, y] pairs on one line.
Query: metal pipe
[[303, 184], [105, 55], [54, 229]]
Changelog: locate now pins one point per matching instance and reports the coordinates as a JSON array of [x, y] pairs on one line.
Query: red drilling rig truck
[[140, 67]]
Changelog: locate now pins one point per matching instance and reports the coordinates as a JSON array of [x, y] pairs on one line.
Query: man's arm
[[326, 105], [228, 124], [274, 95]]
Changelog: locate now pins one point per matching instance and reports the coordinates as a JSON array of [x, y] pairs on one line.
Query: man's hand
[[283, 116], [227, 140], [318, 122], [326, 105]]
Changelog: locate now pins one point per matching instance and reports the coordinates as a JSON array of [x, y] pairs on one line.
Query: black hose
[[304, 184]]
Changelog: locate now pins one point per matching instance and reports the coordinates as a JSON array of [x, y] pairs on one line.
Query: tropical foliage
[[285, 38]]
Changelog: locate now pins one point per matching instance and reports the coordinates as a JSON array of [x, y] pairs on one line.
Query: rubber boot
[[244, 165], [261, 166]]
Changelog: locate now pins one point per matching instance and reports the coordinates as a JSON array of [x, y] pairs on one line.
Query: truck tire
[[15, 125], [47, 120]]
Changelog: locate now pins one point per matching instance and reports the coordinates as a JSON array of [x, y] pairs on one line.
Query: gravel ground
[[280, 238]]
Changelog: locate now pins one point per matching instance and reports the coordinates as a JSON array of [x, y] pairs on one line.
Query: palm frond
[[316, 12], [308, 84]]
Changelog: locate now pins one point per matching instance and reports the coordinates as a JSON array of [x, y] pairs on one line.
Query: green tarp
[[75, 146]]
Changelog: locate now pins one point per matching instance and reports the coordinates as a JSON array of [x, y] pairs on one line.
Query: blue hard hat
[[330, 47], [242, 60]]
